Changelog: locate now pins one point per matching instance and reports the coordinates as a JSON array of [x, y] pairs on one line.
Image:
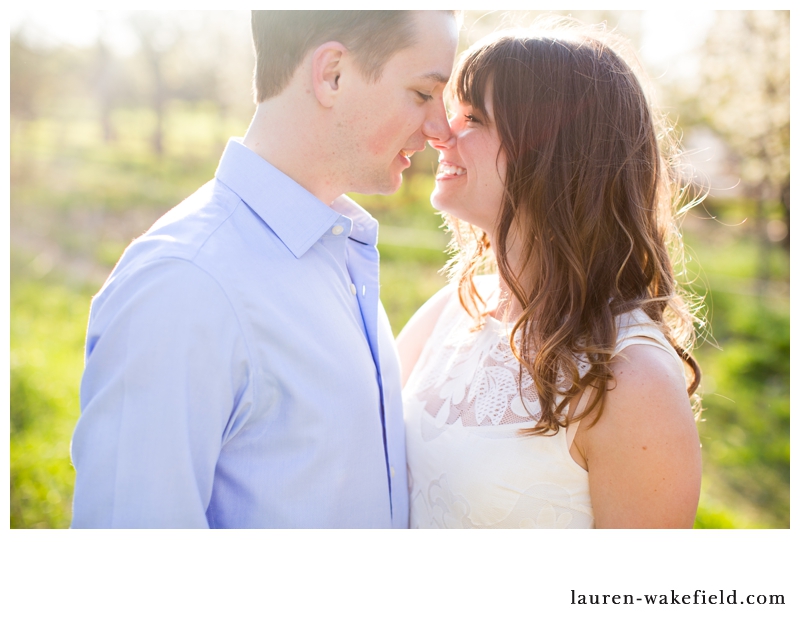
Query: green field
[[76, 203]]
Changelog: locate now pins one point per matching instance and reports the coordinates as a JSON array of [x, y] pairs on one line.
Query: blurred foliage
[[47, 330], [745, 362], [739, 110], [86, 178], [745, 71]]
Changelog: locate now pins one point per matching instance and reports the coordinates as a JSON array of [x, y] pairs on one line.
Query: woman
[[553, 394]]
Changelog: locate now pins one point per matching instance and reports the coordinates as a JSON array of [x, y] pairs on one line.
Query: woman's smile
[[448, 170]]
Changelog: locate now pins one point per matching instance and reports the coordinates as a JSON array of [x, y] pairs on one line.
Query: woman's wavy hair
[[590, 201]]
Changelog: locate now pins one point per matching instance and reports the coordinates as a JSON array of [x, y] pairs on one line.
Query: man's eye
[[424, 97]]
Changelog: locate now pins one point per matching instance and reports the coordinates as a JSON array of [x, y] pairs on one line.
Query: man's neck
[[285, 135]]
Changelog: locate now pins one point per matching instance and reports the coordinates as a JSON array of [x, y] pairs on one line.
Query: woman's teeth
[[450, 170]]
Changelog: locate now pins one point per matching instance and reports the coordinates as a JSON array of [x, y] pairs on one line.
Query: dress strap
[[638, 329]]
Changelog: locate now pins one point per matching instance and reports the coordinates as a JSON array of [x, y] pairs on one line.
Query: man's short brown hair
[[283, 38]]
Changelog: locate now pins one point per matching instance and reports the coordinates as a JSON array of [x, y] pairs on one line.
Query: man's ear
[[326, 66]]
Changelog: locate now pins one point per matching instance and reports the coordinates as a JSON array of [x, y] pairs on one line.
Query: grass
[[48, 323], [745, 362], [80, 202]]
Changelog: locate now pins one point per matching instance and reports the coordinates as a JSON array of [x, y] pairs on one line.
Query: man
[[240, 370]]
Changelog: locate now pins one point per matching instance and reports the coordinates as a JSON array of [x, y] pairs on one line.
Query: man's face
[[381, 124]]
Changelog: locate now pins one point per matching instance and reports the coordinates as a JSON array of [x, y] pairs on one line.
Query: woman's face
[[472, 168]]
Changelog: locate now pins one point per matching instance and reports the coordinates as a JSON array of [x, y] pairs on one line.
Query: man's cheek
[[390, 134]]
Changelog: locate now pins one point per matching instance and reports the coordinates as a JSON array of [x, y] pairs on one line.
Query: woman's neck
[[508, 307]]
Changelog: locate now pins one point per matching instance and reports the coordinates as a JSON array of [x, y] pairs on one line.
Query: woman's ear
[[326, 66]]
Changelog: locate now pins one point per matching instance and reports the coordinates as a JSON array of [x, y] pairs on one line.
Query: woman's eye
[[471, 118], [424, 97]]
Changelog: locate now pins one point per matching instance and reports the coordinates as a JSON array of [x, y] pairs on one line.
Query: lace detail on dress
[[475, 379], [482, 473]]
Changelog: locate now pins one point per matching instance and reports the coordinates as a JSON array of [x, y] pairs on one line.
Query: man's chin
[[382, 186], [393, 187]]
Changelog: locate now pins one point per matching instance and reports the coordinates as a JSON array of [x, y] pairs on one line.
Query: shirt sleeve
[[167, 373]]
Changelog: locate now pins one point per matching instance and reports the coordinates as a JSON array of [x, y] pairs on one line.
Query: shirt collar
[[365, 227], [295, 215]]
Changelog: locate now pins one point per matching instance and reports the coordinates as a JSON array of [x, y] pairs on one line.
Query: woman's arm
[[643, 454], [417, 331]]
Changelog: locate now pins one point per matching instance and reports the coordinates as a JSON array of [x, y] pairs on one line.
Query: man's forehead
[[430, 57]]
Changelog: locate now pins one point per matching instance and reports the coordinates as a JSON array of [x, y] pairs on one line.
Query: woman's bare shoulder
[[417, 331], [643, 453], [646, 399]]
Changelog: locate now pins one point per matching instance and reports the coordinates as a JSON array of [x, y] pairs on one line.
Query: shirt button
[[391, 471], [352, 288], [337, 230]]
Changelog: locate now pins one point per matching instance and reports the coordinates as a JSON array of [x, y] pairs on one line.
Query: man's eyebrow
[[435, 76]]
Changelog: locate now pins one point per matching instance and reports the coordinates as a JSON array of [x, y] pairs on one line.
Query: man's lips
[[405, 155]]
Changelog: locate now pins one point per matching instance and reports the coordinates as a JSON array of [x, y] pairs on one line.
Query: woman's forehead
[[469, 92]]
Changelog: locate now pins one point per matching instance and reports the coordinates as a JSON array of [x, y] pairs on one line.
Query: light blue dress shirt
[[240, 368]]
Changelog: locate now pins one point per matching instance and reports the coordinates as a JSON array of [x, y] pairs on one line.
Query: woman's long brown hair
[[589, 204]]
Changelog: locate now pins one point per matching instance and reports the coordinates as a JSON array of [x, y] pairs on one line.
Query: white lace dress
[[468, 467]]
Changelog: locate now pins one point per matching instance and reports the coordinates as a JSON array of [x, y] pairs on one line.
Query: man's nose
[[436, 128], [447, 142]]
